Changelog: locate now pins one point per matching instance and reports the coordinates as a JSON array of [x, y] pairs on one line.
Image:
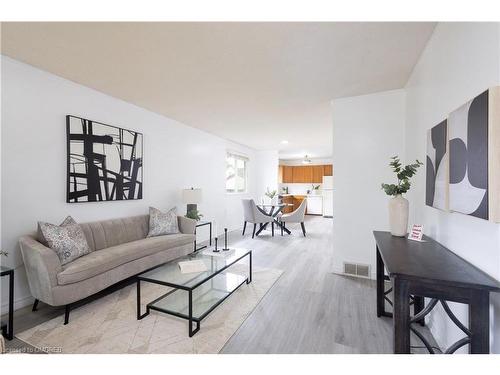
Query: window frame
[[245, 159]]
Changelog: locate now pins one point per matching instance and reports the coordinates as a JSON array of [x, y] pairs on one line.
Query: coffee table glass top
[[170, 273]]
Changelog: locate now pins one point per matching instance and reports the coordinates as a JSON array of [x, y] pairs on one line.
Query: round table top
[[274, 204]]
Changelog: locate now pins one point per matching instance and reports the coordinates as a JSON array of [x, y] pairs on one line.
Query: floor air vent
[[359, 270]]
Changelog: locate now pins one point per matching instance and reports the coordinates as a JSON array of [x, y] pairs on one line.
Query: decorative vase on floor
[[398, 216]]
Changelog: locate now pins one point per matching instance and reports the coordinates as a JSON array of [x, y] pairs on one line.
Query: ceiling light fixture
[[284, 142], [306, 160]]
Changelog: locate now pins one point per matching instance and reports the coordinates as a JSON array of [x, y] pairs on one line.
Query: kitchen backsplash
[[297, 188]]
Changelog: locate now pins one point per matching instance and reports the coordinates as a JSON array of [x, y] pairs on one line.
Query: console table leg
[[479, 322], [401, 319], [418, 306], [10, 333], [380, 285]]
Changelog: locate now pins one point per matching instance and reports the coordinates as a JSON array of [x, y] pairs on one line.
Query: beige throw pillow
[[162, 223], [39, 235], [68, 241]]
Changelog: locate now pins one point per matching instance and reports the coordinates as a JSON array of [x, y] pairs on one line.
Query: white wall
[[460, 61], [266, 172], [367, 131], [34, 106]]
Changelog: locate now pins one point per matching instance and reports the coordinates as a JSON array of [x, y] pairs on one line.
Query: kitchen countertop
[[302, 195]]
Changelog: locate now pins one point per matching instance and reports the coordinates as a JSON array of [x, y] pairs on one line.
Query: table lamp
[[191, 197]]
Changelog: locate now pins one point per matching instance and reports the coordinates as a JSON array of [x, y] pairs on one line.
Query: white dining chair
[[252, 214], [296, 216]]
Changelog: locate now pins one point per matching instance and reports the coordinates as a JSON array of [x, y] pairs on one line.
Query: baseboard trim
[[18, 303]]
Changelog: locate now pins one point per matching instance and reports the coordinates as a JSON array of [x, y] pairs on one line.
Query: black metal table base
[[196, 321], [273, 214], [209, 237], [8, 328]]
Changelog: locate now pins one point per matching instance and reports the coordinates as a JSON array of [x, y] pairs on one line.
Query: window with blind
[[236, 173]]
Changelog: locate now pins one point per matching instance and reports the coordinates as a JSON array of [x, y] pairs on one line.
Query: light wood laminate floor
[[309, 309]]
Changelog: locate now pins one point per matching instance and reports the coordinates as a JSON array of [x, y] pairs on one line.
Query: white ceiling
[[254, 83]]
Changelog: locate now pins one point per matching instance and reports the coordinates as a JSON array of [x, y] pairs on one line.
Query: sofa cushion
[[68, 241], [39, 234], [103, 260], [107, 233], [161, 223]]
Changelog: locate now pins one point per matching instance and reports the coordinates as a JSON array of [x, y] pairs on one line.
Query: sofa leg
[[254, 227], [303, 228], [66, 314], [35, 305], [244, 227], [272, 229]]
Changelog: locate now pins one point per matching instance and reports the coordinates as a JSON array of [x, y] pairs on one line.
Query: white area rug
[[110, 325]]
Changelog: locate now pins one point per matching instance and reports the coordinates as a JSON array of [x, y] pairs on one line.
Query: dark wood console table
[[428, 269]]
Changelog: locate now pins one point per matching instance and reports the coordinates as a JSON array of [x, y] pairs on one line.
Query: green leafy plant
[[315, 187], [403, 175], [4, 253], [194, 214], [271, 194]]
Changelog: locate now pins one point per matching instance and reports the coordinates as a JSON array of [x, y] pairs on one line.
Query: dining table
[[272, 209]]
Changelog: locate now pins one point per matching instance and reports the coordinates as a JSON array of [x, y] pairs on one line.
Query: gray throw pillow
[[39, 235], [67, 241], [162, 223]]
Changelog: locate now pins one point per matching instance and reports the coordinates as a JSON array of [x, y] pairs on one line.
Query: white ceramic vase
[[398, 216]]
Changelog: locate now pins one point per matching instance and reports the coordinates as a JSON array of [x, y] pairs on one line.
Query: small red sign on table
[[416, 233]]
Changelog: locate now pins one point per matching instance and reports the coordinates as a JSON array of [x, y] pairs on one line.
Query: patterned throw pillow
[[162, 223], [67, 241], [39, 235]]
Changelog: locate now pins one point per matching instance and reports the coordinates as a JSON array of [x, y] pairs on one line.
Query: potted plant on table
[[399, 206], [194, 214], [271, 194]]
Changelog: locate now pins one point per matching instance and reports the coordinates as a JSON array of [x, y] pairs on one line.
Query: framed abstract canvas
[[104, 162], [471, 129], [436, 189]]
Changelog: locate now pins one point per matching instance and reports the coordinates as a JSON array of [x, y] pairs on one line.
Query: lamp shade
[[191, 196]]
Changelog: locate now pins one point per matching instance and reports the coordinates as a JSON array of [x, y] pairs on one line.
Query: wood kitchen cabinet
[[288, 199], [317, 173], [328, 170], [297, 200], [302, 174], [287, 174]]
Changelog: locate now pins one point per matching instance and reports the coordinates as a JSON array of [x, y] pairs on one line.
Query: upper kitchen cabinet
[[309, 174], [328, 170], [287, 174], [302, 174], [317, 173]]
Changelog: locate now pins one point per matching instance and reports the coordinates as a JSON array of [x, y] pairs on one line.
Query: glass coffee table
[[195, 295]]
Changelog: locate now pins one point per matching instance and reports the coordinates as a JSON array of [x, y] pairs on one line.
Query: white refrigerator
[[327, 189]]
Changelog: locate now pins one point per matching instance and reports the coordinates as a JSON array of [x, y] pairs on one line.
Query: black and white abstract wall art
[[468, 145], [436, 191], [104, 163]]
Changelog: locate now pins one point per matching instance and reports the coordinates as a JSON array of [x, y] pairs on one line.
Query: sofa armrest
[[186, 225], [42, 266]]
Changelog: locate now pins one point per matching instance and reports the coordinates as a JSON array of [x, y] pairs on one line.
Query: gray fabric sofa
[[120, 250]]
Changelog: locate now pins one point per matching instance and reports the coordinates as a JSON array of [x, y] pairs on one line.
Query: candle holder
[[216, 250], [225, 240]]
